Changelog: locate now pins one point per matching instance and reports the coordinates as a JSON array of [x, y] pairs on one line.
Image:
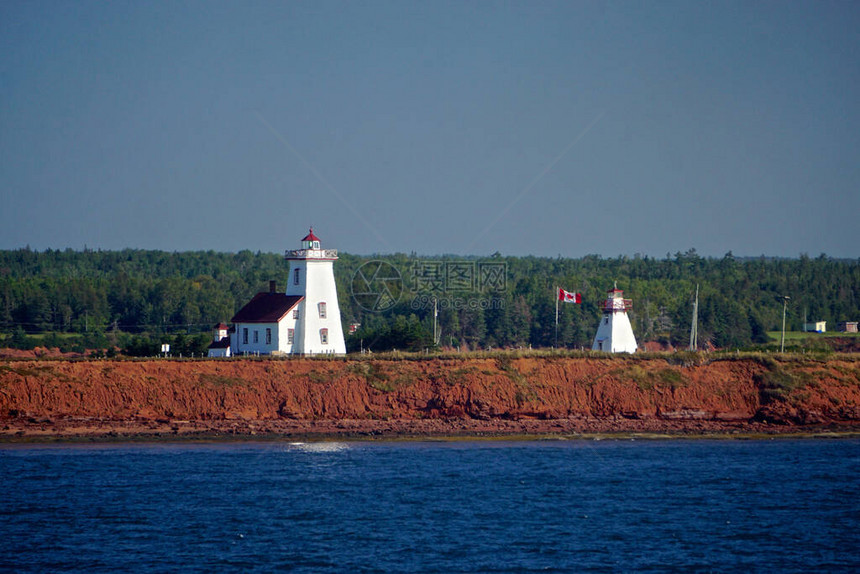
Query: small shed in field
[[847, 327], [815, 327]]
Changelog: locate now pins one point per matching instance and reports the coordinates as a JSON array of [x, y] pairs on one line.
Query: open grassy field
[[800, 335]]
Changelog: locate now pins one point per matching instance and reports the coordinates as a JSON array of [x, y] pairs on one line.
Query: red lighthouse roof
[[310, 236]]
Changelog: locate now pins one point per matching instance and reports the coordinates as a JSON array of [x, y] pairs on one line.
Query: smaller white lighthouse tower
[[318, 328], [615, 334]]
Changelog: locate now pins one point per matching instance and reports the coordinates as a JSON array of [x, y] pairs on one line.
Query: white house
[[615, 334], [305, 320], [266, 325]]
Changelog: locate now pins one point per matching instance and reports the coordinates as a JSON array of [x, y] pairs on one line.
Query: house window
[[291, 333], [245, 336], [324, 336], [322, 310], [296, 276], [268, 336], [296, 313], [256, 336]]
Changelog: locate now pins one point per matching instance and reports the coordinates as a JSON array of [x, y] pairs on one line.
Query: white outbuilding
[[615, 334], [815, 327], [220, 345]]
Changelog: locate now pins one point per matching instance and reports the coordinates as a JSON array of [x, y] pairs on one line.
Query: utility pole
[[694, 327], [556, 317], [785, 299], [435, 315]]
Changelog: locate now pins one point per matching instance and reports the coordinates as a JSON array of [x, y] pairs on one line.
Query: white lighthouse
[[615, 333], [317, 328]]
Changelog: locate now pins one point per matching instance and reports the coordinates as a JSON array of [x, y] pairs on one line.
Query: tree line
[[108, 298]]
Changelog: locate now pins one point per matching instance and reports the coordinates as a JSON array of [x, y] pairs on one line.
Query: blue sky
[[543, 128]]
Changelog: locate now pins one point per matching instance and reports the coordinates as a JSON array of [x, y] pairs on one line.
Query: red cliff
[[432, 396]]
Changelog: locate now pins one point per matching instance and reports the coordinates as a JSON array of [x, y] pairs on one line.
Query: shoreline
[[444, 430]]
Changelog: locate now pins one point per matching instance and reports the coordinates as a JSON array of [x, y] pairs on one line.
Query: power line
[[46, 324]]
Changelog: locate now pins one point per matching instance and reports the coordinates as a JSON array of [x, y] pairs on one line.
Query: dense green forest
[[133, 298]]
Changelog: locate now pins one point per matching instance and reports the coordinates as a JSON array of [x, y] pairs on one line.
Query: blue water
[[776, 506]]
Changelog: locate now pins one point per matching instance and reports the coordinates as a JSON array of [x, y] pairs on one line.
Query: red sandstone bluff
[[494, 395]]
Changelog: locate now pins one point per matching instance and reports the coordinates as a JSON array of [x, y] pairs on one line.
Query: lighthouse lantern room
[[615, 334]]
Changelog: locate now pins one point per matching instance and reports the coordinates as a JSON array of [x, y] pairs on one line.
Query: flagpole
[[556, 317]]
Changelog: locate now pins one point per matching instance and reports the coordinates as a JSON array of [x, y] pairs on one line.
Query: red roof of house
[[310, 236], [266, 308]]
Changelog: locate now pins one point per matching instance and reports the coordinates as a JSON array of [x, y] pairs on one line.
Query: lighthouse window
[[324, 336], [322, 310], [296, 313], [291, 333], [296, 277], [268, 336], [605, 321]]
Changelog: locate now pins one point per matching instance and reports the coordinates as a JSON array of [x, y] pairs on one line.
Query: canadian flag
[[568, 297]]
